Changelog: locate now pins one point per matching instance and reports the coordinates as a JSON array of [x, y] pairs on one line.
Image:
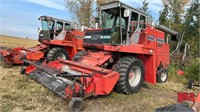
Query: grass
[[21, 93], [10, 42]]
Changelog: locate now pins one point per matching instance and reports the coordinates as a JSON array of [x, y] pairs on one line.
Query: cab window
[[59, 27], [67, 26], [142, 22], [134, 21]]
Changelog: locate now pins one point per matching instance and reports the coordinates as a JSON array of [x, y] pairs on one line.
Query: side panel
[[162, 50], [163, 54], [150, 68], [149, 62]]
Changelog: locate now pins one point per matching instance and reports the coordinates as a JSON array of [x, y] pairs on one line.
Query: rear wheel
[[57, 53], [191, 84], [79, 55], [162, 75], [131, 71]]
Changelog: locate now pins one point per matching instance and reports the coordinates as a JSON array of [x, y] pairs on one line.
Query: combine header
[[58, 38], [128, 50]]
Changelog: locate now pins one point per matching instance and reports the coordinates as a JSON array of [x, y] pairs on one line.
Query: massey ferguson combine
[[125, 52], [58, 38]]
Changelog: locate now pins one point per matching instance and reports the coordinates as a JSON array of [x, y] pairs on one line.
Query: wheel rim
[[60, 56], [192, 85], [77, 105], [134, 76], [163, 76]]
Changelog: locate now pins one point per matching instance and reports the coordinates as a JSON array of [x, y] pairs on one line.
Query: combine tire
[[23, 71], [191, 84], [6, 63], [56, 53], [131, 71], [162, 75], [23, 68], [76, 104], [79, 55]]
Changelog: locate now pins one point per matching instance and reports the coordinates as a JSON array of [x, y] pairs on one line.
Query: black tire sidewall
[[166, 74], [73, 102], [55, 56], [79, 55], [56, 51], [7, 64], [158, 76], [137, 87], [191, 84]]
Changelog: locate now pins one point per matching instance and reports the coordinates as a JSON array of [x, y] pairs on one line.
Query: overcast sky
[[19, 18]]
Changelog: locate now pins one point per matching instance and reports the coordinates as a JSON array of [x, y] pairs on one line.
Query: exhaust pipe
[[174, 34]]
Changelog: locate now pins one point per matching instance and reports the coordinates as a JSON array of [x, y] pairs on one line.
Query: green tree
[[163, 18], [191, 26], [81, 10], [172, 16], [164, 13], [99, 2], [145, 7]]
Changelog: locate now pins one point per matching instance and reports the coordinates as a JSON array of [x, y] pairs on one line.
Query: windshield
[[111, 25], [107, 20], [47, 28], [47, 24]]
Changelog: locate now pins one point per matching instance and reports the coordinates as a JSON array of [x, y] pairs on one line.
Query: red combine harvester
[[125, 52], [58, 38]]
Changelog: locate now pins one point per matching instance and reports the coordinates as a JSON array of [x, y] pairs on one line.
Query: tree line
[[179, 15]]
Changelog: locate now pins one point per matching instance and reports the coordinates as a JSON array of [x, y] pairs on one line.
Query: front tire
[[76, 104], [23, 70], [57, 53], [7, 63], [131, 70]]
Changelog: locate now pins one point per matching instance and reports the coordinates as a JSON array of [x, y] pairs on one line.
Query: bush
[[192, 69], [172, 72]]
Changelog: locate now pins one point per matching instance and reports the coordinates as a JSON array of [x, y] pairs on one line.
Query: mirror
[[126, 13]]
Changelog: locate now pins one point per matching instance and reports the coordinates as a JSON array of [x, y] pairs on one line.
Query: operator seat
[[61, 35], [115, 38], [135, 36]]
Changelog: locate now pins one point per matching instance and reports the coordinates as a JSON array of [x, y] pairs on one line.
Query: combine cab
[[58, 38], [125, 52]]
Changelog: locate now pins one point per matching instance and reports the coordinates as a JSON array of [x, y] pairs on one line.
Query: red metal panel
[[150, 68], [133, 48], [109, 81], [163, 55], [95, 58]]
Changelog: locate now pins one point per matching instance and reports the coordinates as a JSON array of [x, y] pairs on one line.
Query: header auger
[[126, 51]]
